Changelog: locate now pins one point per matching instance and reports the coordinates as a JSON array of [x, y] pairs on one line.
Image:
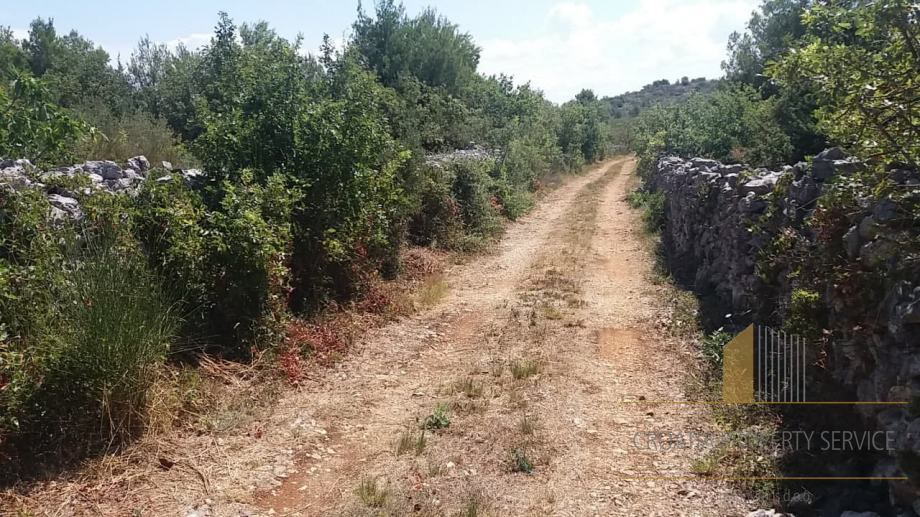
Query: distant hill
[[630, 104]]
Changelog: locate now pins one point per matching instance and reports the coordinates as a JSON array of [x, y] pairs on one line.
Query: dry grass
[[411, 440], [474, 504], [528, 425], [524, 368], [432, 290], [372, 494], [469, 387]]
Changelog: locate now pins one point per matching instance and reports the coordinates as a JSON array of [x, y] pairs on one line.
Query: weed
[[652, 205], [528, 425], [520, 462], [438, 419], [517, 398], [521, 369], [435, 468], [712, 345], [469, 387], [469, 405], [497, 367], [114, 327], [706, 465], [550, 312], [372, 495], [433, 289], [410, 441], [474, 505]]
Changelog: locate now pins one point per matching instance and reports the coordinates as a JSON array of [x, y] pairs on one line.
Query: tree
[[147, 71], [33, 126], [771, 31], [864, 64], [12, 58], [731, 124], [428, 47]]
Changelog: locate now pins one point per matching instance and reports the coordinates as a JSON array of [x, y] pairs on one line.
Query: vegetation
[[438, 419], [520, 462], [631, 104], [731, 124], [524, 368], [318, 172], [652, 205]]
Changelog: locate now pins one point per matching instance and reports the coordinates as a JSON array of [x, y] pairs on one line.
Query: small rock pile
[[476, 153], [103, 176]]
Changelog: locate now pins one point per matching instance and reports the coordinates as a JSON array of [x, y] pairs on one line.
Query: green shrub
[[32, 126], [713, 345], [438, 419], [435, 218], [471, 187], [230, 261], [514, 202], [31, 260], [869, 109], [804, 314], [652, 205], [249, 242], [732, 125], [84, 322]]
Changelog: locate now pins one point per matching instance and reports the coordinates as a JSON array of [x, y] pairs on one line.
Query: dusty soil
[[533, 357]]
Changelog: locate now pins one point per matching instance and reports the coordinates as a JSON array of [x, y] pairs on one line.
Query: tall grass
[[114, 325], [652, 205], [131, 134]]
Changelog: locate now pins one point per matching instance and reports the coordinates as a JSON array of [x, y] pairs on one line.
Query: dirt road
[[522, 376]]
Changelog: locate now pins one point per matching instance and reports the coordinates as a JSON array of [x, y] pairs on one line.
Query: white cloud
[[656, 39], [20, 33], [192, 41], [574, 14]]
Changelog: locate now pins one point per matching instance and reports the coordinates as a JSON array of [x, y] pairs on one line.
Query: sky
[[610, 46]]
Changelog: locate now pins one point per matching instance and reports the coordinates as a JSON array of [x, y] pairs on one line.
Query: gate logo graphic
[[764, 365]]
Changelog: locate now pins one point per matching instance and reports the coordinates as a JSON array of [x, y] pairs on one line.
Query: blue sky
[[560, 46]]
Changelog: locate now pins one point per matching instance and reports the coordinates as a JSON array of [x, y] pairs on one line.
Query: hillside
[[630, 104]]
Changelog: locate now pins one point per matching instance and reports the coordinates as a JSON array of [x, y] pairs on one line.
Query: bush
[[231, 261], [870, 109], [652, 205], [84, 322], [712, 347], [32, 126], [472, 188], [731, 125], [435, 218], [131, 134]]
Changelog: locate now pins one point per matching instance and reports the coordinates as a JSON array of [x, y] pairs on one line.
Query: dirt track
[[534, 351]]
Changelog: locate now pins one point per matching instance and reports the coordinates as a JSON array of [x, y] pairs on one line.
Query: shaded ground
[[531, 357]]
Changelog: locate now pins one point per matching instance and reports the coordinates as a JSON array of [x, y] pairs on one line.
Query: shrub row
[[318, 171]]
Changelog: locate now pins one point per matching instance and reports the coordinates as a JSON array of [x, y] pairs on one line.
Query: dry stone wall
[[717, 225], [101, 176]]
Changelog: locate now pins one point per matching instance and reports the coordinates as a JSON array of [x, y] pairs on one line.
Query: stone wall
[[716, 225], [102, 176]]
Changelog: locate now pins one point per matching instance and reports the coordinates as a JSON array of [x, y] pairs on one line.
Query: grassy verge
[[705, 378]]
